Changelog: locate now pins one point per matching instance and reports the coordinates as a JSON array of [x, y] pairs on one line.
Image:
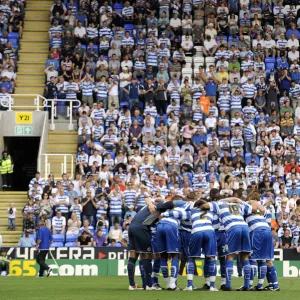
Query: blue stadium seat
[[270, 60], [118, 6], [57, 244], [124, 104], [71, 244], [14, 42], [71, 238], [118, 10], [247, 158], [225, 38], [128, 27], [58, 238], [13, 35]]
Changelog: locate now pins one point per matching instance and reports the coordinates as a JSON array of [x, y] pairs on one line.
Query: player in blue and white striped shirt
[[262, 245], [238, 240]]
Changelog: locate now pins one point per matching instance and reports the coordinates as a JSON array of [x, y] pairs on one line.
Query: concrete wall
[[39, 124]]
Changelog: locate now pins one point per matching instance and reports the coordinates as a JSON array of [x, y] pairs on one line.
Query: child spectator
[[12, 217]]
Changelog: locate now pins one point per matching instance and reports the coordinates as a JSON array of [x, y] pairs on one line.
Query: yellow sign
[[23, 268], [23, 117]]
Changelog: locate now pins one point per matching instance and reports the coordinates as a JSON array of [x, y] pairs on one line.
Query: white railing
[[43, 142], [36, 100], [63, 164], [74, 103], [41, 102]]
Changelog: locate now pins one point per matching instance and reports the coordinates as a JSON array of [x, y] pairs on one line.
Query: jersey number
[[234, 209], [203, 216]]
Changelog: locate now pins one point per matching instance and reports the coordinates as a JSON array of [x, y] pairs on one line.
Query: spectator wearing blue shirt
[[293, 190], [137, 117], [52, 62], [44, 240], [211, 90], [294, 31], [283, 63], [223, 130], [198, 138], [296, 75], [133, 90], [26, 241]]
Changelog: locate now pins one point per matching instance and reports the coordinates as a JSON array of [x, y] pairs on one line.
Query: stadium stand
[[175, 96]]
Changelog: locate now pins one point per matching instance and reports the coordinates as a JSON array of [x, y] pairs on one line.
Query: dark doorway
[[24, 152]]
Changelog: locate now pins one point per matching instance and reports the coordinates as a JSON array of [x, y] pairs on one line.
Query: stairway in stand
[[61, 142], [11, 238], [33, 53]]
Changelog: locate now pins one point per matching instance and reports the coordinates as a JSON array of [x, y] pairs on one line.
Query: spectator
[[26, 241], [285, 241], [99, 239], [88, 207], [84, 240], [4, 263], [58, 223], [115, 233], [12, 217], [74, 224]]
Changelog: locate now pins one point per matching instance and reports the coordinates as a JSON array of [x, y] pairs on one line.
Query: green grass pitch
[[107, 288]]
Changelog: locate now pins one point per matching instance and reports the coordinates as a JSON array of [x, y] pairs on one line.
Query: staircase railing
[[63, 164], [40, 103]]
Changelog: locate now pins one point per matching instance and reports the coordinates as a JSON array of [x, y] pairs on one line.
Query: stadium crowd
[[176, 96], [11, 29]]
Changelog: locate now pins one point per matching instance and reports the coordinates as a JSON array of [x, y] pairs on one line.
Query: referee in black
[[44, 240]]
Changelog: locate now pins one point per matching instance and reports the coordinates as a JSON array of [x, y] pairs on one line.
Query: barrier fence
[[41, 103], [107, 261]]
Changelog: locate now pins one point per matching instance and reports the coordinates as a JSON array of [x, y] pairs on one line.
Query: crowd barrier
[[108, 261]]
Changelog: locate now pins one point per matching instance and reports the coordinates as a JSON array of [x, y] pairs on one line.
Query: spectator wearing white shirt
[[80, 33], [210, 46], [58, 223], [175, 23], [188, 45], [270, 46], [293, 54], [293, 41], [95, 158]]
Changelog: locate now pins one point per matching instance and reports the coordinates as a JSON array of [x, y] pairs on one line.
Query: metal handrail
[[10, 100], [69, 111], [74, 103], [47, 170], [41, 148]]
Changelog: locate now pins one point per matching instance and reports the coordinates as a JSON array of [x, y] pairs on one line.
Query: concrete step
[[31, 37], [28, 90], [38, 15], [32, 77], [31, 85], [61, 148], [32, 57], [36, 51], [35, 69]]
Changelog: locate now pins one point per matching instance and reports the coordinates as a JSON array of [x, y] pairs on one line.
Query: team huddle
[[184, 229]]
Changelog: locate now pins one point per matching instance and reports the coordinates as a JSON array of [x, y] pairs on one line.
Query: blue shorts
[[222, 246], [262, 244], [203, 240], [168, 239], [238, 239], [185, 237], [154, 243]]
